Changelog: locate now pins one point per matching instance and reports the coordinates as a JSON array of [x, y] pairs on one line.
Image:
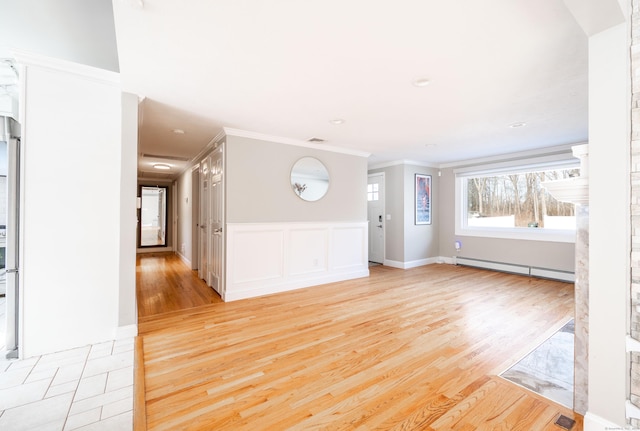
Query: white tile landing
[[88, 388]]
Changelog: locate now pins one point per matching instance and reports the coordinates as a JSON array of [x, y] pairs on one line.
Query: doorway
[[153, 217], [9, 210], [376, 217]]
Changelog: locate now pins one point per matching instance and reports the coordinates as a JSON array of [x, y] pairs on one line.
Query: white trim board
[[412, 263], [594, 422]]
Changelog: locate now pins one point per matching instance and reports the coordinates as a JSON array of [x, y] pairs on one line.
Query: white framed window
[[373, 193], [508, 201]]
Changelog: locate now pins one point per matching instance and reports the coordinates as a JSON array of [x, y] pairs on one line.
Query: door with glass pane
[[216, 217], [203, 268], [153, 217], [376, 216]]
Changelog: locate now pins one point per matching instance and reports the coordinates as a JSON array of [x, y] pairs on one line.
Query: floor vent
[[565, 422]]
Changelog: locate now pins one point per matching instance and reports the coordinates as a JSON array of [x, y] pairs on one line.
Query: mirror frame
[[309, 175]]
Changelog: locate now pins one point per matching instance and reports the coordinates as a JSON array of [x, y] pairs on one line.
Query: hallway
[[165, 284]]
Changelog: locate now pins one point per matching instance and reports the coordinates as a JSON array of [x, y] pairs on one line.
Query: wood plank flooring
[[416, 349], [165, 284]]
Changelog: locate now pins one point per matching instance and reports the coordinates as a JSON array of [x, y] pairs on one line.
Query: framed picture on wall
[[423, 199]]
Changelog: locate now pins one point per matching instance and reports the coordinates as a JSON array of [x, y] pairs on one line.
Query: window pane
[[518, 200]]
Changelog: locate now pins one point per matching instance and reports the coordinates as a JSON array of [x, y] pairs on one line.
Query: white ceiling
[[286, 68]]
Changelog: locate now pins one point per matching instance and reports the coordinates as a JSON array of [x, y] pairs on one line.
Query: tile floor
[[88, 388], [548, 370]]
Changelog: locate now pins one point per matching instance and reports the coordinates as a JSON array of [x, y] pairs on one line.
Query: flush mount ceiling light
[[161, 166], [178, 131], [337, 121], [421, 82], [516, 125]]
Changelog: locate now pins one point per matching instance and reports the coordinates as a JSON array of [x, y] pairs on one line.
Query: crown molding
[[382, 165], [548, 151], [290, 141], [32, 59]]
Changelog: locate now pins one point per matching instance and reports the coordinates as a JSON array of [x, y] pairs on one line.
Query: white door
[[203, 268], [216, 243], [376, 216]]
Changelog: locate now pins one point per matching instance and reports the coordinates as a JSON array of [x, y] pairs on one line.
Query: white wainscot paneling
[[349, 247], [309, 249], [276, 257], [256, 255]]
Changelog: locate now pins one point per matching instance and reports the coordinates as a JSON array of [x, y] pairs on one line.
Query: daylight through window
[[518, 200], [373, 193]]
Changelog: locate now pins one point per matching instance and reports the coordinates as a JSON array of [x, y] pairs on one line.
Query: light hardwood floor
[[164, 284], [416, 349]]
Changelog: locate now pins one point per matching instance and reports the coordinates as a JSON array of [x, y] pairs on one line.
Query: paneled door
[[203, 268], [216, 233], [376, 216]]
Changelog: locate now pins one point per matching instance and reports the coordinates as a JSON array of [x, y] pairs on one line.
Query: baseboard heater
[[511, 268]]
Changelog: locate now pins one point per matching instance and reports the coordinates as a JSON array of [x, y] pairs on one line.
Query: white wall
[[258, 187], [185, 220], [71, 159], [609, 225], [81, 31], [276, 241], [128, 317]]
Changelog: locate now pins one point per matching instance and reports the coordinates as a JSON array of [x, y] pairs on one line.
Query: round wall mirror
[[309, 179]]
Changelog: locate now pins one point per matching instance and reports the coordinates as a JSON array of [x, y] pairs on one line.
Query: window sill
[[529, 234]]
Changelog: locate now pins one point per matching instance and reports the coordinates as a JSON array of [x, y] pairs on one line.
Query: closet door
[[203, 240], [216, 232]]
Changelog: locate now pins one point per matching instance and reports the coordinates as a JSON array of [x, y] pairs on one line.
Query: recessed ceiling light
[[516, 125], [161, 166], [337, 121], [421, 82], [178, 131]]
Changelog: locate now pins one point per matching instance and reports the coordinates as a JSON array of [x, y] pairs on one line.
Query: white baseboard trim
[[127, 331], [184, 259], [285, 287], [447, 260], [412, 263], [594, 422]]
